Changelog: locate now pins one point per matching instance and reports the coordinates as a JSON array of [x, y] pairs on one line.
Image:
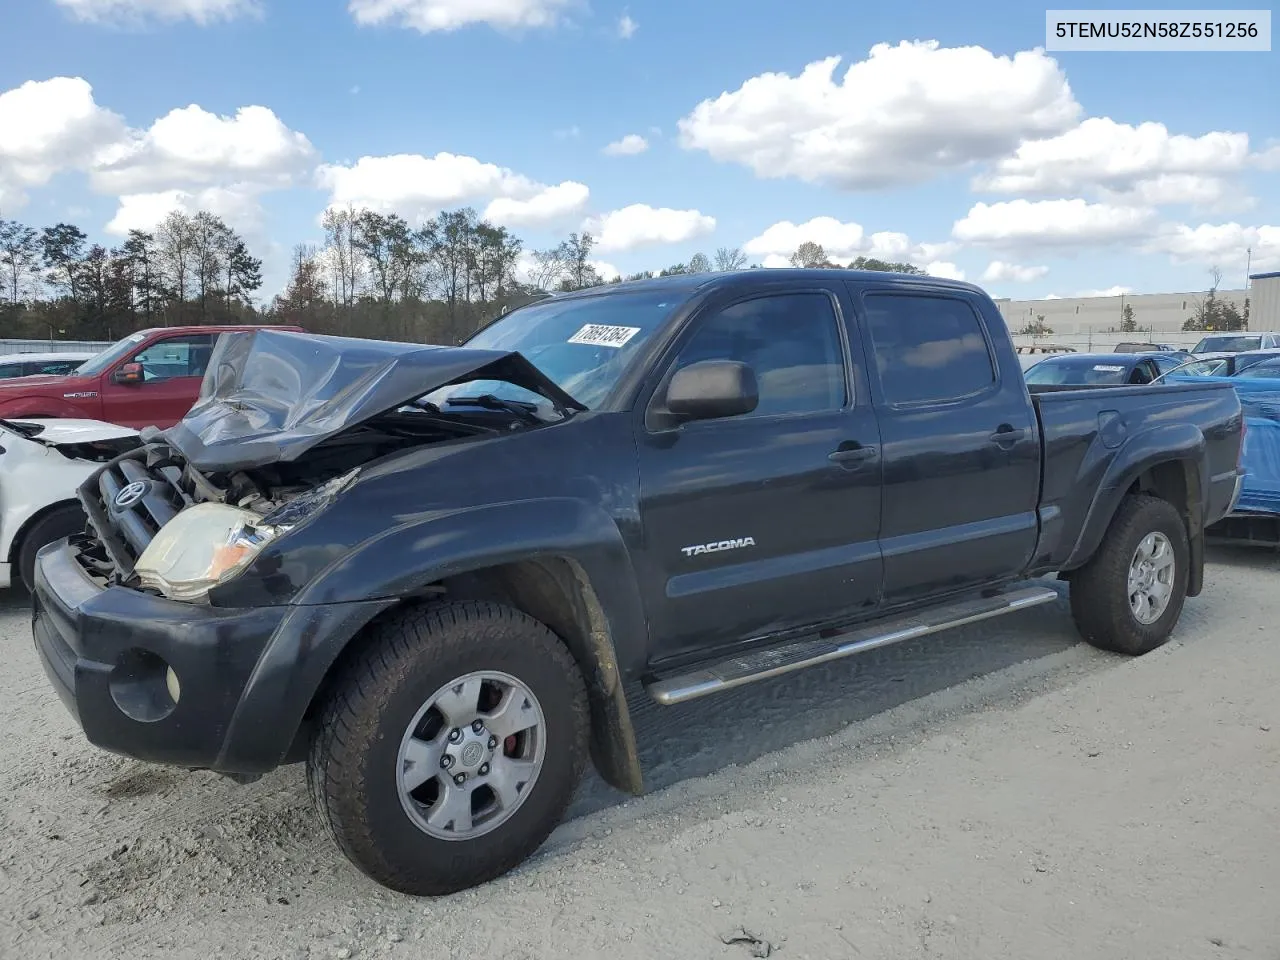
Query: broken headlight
[[211, 543]]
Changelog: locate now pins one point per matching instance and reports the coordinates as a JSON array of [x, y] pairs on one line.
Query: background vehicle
[[1101, 369], [40, 364], [1031, 354], [1151, 348], [1236, 342], [1225, 365], [435, 587], [149, 378], [42, 464]]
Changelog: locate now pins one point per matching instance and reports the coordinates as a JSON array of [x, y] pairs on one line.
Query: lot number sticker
[[603, 335], [1108, 368]]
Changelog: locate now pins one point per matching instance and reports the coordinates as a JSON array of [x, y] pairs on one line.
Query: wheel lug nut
[[446, 762], [493, 742], [477, 726], [460, 779], [484, 769], [455, 735]]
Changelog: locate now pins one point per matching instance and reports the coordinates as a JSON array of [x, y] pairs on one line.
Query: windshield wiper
[[525, 411]]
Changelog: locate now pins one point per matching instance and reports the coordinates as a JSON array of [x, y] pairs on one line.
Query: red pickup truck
[[150, 378]]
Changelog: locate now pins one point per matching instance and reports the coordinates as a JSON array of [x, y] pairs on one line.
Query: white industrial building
[[1095, 321]]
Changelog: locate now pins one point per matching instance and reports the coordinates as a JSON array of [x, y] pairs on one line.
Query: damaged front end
[[283, 426]]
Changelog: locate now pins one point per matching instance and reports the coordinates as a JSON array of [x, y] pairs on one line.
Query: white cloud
[[1049, 223], [238, 205], [627, 27], [1000, 272], [944, 269], [418, 187], [904, 114], [201, 11], [429, 16], [49, 126], [1143, 163], [628, 146], [641, 225], [568, 199], [605, 270], [1222, 244], [191, 147], [842, 242]]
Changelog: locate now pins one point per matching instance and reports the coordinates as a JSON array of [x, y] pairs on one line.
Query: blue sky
[[968, 148]]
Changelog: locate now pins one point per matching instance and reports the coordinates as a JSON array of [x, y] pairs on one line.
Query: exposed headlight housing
[[201, 547], [211, 543]]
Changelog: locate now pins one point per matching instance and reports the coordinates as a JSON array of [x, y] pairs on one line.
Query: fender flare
[[1180, 444], [580, 541]]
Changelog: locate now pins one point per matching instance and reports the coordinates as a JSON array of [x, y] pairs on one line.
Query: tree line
[[374, 275], [191, 269]]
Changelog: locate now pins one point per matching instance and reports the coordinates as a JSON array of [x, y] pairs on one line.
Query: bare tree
[[176, 246], [345, 261], [549, 268], [19, 256], [730, 258]]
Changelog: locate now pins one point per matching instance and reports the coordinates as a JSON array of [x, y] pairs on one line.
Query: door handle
[[851, 452], [1008, 434]]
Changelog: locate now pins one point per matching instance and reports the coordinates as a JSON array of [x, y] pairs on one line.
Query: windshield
[[110, 356], [1266, 370], [1200, 368], [583, 345], [1227, 344], [1074, 370]]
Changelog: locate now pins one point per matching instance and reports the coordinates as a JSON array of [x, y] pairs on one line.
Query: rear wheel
[[450, 746], [63, 521], [1129, 596]]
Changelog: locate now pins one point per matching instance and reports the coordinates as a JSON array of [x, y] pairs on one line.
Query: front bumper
[[107, 653]]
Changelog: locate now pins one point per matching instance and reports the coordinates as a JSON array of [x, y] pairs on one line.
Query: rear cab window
[[929, 348]]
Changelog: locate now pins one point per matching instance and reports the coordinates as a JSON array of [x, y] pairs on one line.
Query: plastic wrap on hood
[[271, 395], [1260, 403]]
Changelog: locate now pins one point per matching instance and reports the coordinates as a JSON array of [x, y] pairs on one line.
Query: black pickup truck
[[433, 573]]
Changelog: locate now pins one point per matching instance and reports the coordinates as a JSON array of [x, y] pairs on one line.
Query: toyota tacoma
[[434, 573]]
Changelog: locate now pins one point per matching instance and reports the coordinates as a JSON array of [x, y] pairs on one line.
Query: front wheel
[[1128, 597], [450, 746]]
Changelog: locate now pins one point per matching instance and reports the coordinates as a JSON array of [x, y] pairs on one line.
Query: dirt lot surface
[[1002, 791]]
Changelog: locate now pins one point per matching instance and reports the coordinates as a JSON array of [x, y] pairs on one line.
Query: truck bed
[[1088, 430]]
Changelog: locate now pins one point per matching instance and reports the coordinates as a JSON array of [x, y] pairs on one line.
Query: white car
[[37, 364], [42, 463]]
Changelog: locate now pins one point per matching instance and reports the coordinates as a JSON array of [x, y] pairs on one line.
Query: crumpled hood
[[271, 395]]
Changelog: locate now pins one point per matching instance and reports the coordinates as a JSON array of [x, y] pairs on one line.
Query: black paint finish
[[814, 517]]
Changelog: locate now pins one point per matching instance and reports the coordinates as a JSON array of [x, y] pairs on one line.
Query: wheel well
[[557, 593], [1170, 481], [15, 545]]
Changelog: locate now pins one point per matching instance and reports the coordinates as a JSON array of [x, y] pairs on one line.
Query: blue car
[[1256, 517]]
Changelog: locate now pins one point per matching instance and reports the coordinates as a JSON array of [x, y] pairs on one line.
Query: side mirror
[[128, 373], [712, 389]]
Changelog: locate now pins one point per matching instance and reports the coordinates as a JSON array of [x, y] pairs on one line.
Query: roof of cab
[[688, 283]]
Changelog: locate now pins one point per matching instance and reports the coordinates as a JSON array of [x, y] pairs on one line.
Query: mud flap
[[1195, 576]]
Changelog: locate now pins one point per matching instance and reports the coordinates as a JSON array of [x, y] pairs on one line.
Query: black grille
[[127, 502]]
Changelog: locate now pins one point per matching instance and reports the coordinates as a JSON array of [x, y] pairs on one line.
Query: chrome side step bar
[[762, 664]]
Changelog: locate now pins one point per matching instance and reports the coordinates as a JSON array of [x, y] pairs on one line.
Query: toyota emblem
[[131, 494]]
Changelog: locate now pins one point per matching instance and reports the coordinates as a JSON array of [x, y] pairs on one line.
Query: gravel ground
[[1001, 791]]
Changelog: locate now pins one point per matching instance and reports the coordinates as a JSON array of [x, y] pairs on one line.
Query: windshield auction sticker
[[603, 335]]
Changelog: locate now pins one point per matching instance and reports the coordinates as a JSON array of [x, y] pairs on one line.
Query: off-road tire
[[352, 768], [63, 521], [1099, 589]]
